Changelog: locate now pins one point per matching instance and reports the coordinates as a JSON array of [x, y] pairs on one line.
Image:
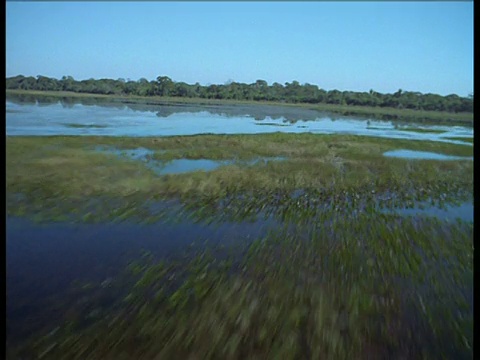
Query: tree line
[[293, 92]]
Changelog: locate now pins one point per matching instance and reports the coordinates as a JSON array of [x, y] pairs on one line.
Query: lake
[[46, 116]]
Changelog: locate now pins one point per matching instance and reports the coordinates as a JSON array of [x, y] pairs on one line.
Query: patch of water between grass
[[423, 155], [179, 166]]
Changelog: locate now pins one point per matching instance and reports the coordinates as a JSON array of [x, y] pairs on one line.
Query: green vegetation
[[420, 130], [400, 115], [61, 171], [339, 280], [292, 92], [370, 288], [470, 140], [83, 125], [386, 113], [271, 124]]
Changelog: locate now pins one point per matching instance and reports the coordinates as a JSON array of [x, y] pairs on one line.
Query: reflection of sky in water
[[178, 166], [423, 155], [463, 211], [121, 120]]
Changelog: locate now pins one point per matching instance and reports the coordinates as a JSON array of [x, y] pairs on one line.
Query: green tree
[[165, 86]]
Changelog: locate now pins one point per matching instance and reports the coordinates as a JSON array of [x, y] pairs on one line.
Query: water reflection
[[463, 212], [423, 155], [164, 110], [28, 115], [179, 166]]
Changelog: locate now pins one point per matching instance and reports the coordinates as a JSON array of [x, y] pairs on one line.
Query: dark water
[[41, 116], [43, 260]]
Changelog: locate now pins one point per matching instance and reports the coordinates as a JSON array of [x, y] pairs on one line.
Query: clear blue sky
[[385, 46]]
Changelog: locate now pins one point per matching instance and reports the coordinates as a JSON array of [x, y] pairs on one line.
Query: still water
[[47, 116], [42, 260], [423, 155], [178, 166]]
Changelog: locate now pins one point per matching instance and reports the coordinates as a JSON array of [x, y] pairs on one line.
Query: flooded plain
[[178, 166], [51, 265], [45, 261], [45, 116]]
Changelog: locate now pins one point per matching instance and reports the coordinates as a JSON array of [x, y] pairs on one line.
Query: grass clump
[[69, 170], [470, 140], [421, 130]]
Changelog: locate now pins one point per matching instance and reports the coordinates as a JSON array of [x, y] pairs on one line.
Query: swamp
[[139, 231]]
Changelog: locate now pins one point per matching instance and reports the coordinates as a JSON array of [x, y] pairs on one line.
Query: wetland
[[52, 115], [139, 235]]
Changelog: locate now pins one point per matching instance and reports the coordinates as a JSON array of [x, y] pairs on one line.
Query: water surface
[[423, 155], [43, 260], [35, 116], [179, 166], [463, 211]]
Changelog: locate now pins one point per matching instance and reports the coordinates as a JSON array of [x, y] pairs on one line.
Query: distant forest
[[292, 92]]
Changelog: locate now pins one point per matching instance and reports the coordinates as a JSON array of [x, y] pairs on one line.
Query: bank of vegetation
[[293, 92]]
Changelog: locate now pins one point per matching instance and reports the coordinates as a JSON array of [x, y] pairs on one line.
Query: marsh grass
[[338, 279], [71, 166], [61, 177], [271, 124], [84, 125], [421, 130], [369, 289], [470, 140]]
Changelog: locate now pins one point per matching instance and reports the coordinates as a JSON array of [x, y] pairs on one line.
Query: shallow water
[[178, 166], [423, 155], [94, 117], [42, 260], [463, 211]]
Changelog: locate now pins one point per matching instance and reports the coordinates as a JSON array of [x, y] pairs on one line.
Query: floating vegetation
[[377, 127], [422, 130], [73, 125], [272, 124], [458, 138]]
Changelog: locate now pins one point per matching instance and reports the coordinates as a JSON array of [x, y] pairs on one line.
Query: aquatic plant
[[335, 277]]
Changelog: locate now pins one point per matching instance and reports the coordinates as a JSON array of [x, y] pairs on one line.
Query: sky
[[348, 46]]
